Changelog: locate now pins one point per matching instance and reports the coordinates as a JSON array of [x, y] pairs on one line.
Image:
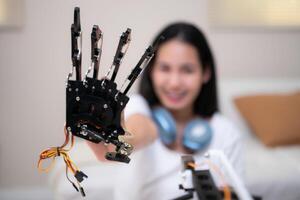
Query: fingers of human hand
[[122, 120], [98, 149]]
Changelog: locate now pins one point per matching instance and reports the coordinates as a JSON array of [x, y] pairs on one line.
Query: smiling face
[[177, 75]]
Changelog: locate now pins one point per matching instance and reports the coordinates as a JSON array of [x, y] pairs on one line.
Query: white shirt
[[153, 172]]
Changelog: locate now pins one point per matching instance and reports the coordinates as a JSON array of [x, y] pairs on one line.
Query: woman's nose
[[174, 80]]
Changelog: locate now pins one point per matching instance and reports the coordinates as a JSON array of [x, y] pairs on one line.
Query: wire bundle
[[53, 152]]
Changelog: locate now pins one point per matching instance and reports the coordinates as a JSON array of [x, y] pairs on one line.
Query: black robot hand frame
[[94, 107]]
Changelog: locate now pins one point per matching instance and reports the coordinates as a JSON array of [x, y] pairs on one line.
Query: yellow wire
[[53, 152]]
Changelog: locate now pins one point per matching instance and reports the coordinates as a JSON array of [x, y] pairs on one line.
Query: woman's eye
[[164, 68], [188, 69]]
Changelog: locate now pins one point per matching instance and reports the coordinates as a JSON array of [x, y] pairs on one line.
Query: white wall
[[35, 60]]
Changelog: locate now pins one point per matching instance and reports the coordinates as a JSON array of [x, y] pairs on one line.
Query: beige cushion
[[274, 118]]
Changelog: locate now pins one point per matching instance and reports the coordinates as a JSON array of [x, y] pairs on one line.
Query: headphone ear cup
[[197, 135], [166, 125]]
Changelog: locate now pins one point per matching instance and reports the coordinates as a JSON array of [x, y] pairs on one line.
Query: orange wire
[[53, 152]]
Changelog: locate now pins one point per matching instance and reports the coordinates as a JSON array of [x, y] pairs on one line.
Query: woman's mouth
[[175, 97]]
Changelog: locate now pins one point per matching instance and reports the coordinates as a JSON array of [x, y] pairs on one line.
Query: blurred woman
[[176, 112]]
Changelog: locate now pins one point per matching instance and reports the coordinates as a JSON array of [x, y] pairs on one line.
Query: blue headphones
[[197, 133]]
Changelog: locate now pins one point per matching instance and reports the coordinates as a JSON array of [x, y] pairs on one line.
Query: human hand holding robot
[[94, 107]]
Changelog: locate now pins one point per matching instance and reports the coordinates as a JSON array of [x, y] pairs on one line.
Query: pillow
[[274, 118]]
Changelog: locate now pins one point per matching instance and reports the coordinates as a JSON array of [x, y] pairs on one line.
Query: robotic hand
[[94, 107]]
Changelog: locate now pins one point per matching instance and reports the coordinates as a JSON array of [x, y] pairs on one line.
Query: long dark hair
[[206, 104]]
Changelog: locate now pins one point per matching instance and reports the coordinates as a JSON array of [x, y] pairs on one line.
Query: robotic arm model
[[212, 177]]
